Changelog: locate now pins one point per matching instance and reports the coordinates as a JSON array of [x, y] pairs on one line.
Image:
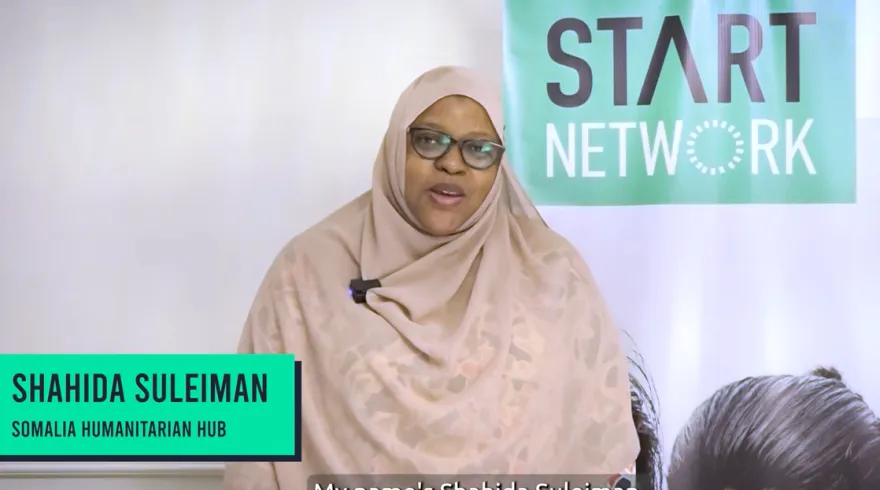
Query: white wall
[[154, 156]]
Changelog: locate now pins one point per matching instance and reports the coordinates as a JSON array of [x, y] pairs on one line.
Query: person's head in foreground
[[780, 433], [486, 348]]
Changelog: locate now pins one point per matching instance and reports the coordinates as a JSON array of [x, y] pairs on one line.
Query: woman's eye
[[477, 147]]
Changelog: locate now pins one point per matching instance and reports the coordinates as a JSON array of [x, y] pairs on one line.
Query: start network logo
[[682, 104]]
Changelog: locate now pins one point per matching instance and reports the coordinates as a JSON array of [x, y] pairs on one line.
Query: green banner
[[630, 102], [165, 407]]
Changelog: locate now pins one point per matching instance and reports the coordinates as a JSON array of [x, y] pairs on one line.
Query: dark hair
[[649, 465], [781, 432]]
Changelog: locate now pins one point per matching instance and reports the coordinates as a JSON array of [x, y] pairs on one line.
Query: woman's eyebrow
[[481, 135], [430, 125]]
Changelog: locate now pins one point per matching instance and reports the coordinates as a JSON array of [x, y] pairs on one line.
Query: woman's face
[[444, 192]]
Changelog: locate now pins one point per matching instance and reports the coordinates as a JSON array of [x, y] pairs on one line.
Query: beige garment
[[489, 351]]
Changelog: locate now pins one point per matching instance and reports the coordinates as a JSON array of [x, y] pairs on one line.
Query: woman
[[780, 432], [486, 348]]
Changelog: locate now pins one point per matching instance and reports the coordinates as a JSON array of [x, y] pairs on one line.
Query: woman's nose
[[452, 162]]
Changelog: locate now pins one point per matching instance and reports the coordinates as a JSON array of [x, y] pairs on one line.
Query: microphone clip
[[358, 288]]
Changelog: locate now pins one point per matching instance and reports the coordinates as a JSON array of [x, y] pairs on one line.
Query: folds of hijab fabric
[[489, 351]]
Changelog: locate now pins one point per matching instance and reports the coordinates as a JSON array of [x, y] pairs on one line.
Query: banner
[[149, 408], [677, 101], [739, 112]]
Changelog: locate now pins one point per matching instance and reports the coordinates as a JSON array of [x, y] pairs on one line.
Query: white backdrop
[[155, 156]]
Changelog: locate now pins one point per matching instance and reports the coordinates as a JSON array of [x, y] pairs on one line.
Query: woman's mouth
[[446, 195]]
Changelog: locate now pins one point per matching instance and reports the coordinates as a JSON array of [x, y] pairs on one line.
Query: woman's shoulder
[[553, 249], [542, 240], [332, 243], [339, 230]]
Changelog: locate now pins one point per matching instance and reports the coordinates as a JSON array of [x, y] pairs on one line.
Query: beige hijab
[[489, 351]]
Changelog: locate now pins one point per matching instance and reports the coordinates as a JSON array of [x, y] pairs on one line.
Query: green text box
[[141, 407]]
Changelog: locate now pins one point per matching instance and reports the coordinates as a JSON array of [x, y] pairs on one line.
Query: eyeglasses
[[433, 145]]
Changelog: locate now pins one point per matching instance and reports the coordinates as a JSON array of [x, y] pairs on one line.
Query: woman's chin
[[440, 224]]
